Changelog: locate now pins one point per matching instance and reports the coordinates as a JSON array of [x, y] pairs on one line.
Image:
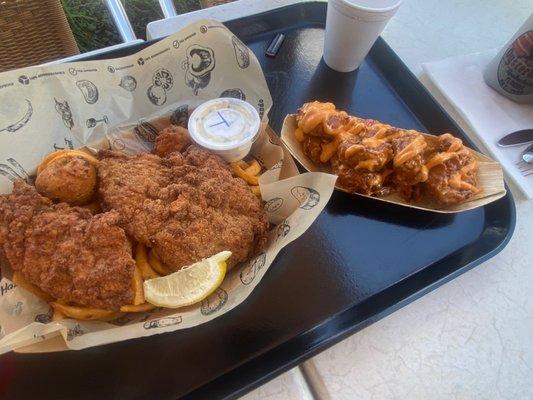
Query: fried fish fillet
[[172, 138], [186, 206], [66, 251]]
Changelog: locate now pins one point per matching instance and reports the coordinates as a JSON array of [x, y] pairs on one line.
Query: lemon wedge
[[189, 285]]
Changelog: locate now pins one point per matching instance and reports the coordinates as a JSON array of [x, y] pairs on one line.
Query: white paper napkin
[[490, 115]]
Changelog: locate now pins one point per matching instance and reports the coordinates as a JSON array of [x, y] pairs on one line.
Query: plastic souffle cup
[[352, 27], [226, 126]]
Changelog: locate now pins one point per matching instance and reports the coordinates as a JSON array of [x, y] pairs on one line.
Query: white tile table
[[289, 386]]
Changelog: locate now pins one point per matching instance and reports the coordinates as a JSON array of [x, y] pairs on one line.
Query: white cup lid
[[374, 5], [224, 123]]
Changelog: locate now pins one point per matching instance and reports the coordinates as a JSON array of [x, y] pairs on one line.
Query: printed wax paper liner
[[50, 107], [131, 123], [25, 319]]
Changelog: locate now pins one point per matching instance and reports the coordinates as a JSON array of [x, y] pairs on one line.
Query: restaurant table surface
[[470, 338]]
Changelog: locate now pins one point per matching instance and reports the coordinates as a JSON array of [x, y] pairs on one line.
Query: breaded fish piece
[[186, 206], [172, 138], [67, 252]]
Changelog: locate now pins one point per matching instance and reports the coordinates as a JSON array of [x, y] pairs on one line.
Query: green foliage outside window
[[93, 27]]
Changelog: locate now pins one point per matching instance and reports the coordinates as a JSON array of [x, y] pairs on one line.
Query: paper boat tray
[[490, 177]]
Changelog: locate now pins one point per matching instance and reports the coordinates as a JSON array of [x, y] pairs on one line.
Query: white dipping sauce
[[226, 126]]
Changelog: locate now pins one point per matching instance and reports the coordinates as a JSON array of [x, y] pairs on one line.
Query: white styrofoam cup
[[352, 27]]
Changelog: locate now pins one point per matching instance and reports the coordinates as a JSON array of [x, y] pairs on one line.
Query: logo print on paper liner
[[122, 320], [68, 144], [214, 302], [242, 54], [162, 80], [128, 82], [134, 317], [199, 63], [20, 123], [234, 93], [91, 122], [146, 133], [180, 116], [24, 80], [118, 144], [157, 95], [45, 318], [249, 272], [14, 171], [306, 196], [273, 205], [283, 230], [16, 309], [277, 165], [74, 332], [162, 77], [63, 109], [88, 90], [6, 287], [162, 322], [276, 141]]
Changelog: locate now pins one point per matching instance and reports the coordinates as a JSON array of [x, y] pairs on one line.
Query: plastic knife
[[516, 138]]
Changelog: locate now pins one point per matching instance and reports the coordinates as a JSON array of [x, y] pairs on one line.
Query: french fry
[[241, 163], [249, 172], [85, 313], [254, 168], [256, 191], [141, 259], [19, 280], [158, 265], [250, 179], [137, 284], [138, 308]]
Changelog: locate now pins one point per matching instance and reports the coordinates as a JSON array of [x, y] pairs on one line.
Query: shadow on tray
[[344, 203]]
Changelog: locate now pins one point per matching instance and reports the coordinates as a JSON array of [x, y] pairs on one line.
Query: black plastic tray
[[361, 260]]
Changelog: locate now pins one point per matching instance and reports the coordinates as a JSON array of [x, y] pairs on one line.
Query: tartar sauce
[[226, 126]]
